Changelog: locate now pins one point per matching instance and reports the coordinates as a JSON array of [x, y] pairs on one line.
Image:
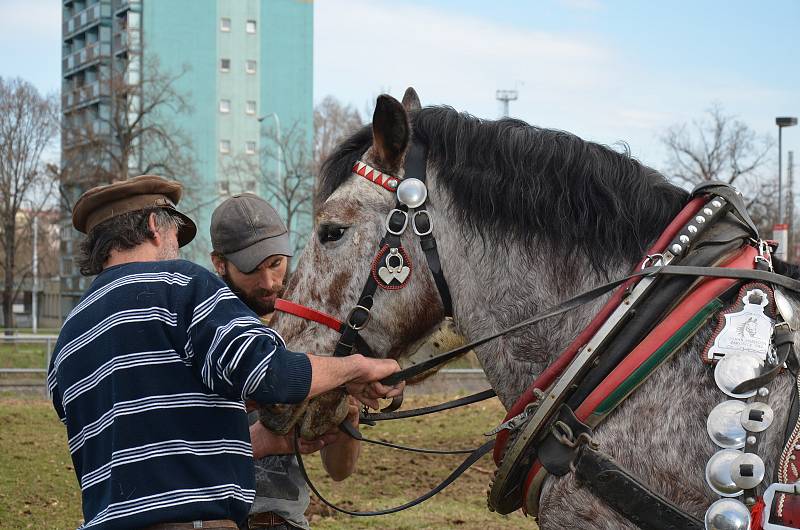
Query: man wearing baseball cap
[[251, 254], [152, 367]]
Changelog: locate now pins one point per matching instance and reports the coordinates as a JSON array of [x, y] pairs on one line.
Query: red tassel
[[756, 514]]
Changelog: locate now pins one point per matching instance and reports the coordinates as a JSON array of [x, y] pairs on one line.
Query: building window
[[225, 65], [250, 108], [225, 24], [224, 146], [224, 187], [251, 26], [225, 105], [250, 148], [250, 66]]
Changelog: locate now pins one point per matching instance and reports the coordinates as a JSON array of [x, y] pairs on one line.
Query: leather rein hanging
[[390, 249]]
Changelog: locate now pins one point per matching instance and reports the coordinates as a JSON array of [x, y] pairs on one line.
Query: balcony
[[84, 95], [126, 5], [89, 17], [85, 56]]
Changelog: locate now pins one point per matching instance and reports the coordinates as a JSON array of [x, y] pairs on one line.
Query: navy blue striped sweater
[[149, 374]]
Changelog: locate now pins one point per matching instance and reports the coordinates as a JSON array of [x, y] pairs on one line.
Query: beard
[[260, 301]]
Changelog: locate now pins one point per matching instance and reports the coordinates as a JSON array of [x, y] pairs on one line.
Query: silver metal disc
[[412, 192], [747, 471], [724, 424], [727, 514], [736, 368], [718, 473], [757, 416], [786, 310]]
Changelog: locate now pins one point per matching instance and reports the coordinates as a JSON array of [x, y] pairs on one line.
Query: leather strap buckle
[[351, 316], [769, 496], [396, 222], [428, 220]]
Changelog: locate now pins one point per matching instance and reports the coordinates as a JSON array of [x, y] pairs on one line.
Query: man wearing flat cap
[[251, 252], [152, 368]]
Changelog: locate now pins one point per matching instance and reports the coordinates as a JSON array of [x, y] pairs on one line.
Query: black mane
[[512, 181]]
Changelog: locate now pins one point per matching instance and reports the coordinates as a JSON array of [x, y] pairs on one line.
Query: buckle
[[389, 222], [414, 223], [351, 314], [769, 496]]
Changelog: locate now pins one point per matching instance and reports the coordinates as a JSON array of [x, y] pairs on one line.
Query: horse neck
[[495, 285]]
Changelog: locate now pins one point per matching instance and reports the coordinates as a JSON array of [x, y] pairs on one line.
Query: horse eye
[[328, 233]]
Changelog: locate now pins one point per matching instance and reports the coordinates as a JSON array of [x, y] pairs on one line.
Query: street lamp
[[278, 138], [781, 122]]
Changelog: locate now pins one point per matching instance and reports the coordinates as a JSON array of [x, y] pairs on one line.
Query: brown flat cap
[[138, 193]]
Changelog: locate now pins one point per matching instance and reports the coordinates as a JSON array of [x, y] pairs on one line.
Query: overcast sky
[[608, 71]]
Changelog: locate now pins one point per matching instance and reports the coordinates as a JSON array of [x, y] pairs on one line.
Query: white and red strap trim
[[388, 182]]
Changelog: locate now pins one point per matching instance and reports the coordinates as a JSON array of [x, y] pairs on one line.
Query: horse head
[[339, 258]]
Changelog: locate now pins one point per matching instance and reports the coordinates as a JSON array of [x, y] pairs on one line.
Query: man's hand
[[367, 387], [266, 443], [369, 393]]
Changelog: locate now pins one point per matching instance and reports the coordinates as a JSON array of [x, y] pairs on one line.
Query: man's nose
[[268, 280]]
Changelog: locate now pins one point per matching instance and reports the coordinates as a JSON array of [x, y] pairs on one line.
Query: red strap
[[547, 377], [307, 313]]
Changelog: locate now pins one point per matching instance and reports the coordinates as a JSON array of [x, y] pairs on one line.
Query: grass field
[[38, 487]]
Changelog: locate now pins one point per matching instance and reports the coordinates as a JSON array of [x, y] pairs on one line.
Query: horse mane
[[510, 181]]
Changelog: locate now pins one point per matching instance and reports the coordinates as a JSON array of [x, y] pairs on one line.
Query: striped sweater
[[149, 375]]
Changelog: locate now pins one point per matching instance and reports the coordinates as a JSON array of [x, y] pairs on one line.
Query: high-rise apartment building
[[243, 66]]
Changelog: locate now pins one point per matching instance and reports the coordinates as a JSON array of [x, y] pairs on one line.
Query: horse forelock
[[516, 183]]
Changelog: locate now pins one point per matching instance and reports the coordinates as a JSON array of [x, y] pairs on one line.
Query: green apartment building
[[246, 73]]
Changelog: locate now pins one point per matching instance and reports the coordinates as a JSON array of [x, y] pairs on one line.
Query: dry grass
[[38, 488]]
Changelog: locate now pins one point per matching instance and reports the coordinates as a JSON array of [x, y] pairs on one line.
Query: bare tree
[[333, 122], [136, 133], [721, 147], [27, 129], [284, 171]]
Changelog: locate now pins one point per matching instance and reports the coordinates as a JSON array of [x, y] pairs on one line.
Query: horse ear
[[390, 132], [411, 100]]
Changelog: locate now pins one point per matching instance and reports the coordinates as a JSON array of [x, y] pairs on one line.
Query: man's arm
[[339, 457], [360, 374]]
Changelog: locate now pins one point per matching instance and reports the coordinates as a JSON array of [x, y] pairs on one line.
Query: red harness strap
[[555, 369], [703, 294], [307, 313]]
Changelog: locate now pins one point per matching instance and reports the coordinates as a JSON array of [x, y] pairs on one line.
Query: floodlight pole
[[781, 122]]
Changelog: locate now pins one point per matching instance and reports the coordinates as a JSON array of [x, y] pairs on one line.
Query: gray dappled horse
[[524, 217]]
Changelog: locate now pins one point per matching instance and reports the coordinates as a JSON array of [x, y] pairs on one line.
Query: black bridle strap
[[583, 298], [368, 417], [352, 432], [466, 464], [415, 167]]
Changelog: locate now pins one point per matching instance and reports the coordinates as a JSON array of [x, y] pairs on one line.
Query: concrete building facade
[[247, 74]]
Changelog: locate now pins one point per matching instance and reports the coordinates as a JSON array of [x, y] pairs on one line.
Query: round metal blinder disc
[[727, 514], [412, 192], [757, 416], [724, 424], [747, 471], [718, 473], [734, 369]]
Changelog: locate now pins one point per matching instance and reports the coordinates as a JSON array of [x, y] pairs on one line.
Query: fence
[[18, 362]]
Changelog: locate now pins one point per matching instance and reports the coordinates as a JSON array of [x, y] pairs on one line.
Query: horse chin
[[324, 413], [281, 418]]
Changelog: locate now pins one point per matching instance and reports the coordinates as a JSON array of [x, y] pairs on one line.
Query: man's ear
[[219, 264], [157, 238]]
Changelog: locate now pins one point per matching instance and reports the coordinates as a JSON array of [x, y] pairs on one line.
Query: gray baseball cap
[[247, 230]]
